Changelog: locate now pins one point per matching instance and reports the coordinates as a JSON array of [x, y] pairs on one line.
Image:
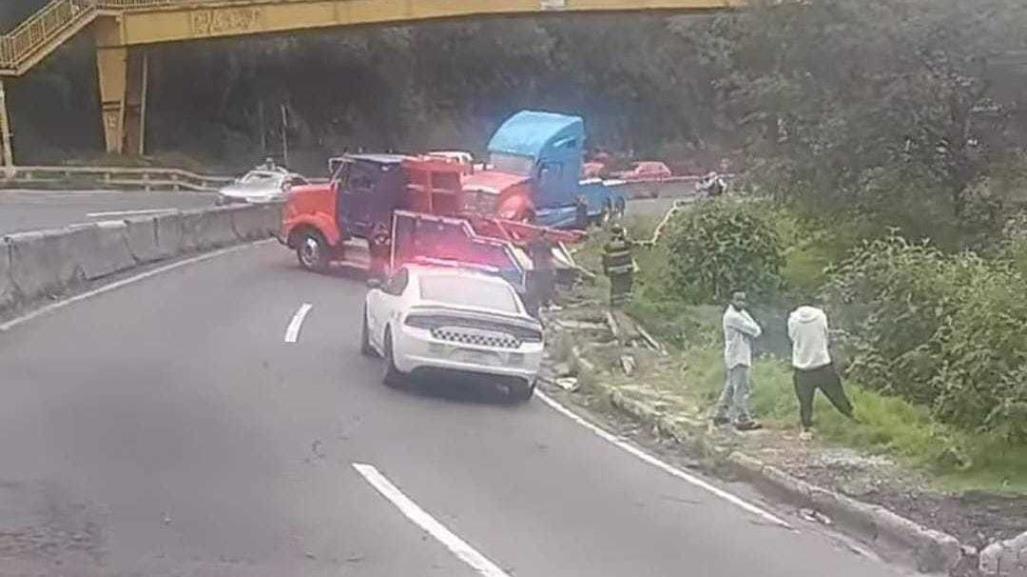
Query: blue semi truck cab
[[547, 151]]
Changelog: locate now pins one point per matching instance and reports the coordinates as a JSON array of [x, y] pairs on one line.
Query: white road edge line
[[292, 332], [691, 479], [130, 212], [4, 327], [422, 519]]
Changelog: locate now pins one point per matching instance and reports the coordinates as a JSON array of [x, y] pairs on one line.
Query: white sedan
[[260, 186], [438, 320]]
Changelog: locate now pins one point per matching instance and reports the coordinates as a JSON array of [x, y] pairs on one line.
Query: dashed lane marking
[[292, 332]]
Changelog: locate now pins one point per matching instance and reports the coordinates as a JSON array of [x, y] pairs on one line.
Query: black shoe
[[721, 421], [747, 426]]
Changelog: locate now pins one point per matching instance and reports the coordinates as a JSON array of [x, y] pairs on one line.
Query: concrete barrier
[[169, 234], [249, 222], [207, 228], [141, 236], [100, 249], [8, 292], [41, 262], [273, 218]]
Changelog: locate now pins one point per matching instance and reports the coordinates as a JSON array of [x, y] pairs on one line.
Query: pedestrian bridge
[[123, 28]]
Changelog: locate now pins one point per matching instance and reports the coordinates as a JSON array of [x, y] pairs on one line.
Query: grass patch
[[957, 460]]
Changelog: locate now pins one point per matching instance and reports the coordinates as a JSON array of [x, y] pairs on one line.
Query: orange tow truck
[[367, 191], [358, 202]]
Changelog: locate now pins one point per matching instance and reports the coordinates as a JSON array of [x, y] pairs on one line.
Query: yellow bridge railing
[[57, 17]]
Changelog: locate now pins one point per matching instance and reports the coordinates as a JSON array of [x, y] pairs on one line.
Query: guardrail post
[[174, 180], [146, 181]]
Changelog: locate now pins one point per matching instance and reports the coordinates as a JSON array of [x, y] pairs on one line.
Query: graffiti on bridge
[[220, 21]]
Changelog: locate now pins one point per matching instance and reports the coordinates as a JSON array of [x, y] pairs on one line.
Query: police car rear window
[[468, 291]]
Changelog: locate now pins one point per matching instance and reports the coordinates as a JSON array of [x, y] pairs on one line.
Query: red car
[[645, 171]]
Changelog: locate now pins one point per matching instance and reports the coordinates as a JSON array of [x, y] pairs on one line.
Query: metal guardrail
[[88, 177]]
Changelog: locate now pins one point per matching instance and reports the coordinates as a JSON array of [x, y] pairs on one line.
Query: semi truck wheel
[[312, 251]]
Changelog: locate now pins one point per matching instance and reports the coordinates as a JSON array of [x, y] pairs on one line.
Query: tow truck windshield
[[511, 164]]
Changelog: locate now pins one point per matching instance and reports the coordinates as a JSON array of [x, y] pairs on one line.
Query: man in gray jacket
[[740, 330], [811, 359]]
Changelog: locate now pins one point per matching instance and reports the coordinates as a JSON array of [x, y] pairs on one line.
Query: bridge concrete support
[[5, 130], [123, 79]]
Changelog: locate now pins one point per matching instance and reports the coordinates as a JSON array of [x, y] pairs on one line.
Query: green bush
[[943, 331], [722, 246]]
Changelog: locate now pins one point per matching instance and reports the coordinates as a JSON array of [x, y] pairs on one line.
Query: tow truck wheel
[[365, 340], [391, 378], [312, 251]]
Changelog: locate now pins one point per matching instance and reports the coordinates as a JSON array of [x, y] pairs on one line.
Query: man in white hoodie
[[807, 328], [740, 330]]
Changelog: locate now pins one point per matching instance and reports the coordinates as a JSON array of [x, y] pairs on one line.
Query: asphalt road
[[653, 206], [33, 210], [168, 428]]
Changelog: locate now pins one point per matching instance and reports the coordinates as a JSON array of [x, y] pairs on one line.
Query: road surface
[[189, 424], [654, 207], [33, 210]]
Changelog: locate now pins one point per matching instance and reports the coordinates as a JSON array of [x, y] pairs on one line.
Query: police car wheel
[[521, 392], [391, 376], [365, 340]]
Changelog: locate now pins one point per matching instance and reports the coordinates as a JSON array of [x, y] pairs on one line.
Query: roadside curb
[[931, 550], [1005, 558]]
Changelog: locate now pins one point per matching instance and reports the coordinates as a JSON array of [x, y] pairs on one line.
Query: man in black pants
[[807, 328]]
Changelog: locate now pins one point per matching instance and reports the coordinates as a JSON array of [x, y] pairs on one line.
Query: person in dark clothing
[[543, 289], [581, 213], [619, 267], [379, 249]]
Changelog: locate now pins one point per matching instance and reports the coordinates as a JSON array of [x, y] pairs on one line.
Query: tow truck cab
[[359, 199]]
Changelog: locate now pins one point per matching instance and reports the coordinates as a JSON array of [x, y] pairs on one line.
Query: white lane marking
[[691, 479], [130, 212], [292, 332], [422, 519], [4, 327]]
